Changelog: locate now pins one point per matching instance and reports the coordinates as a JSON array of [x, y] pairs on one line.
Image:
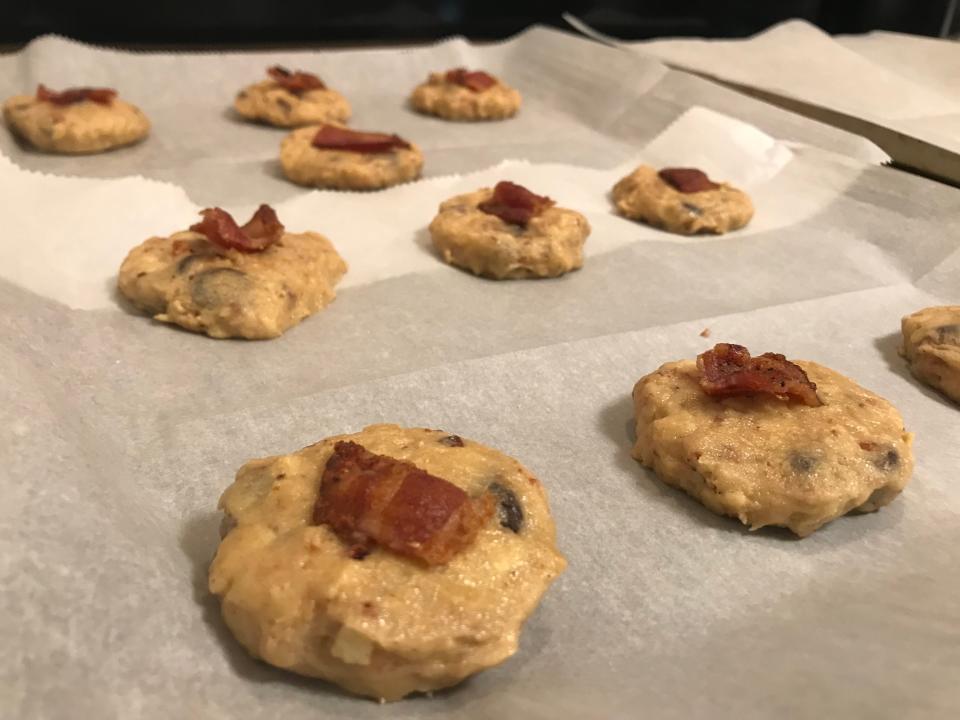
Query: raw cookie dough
[[767, 461], [384, 625], [451, 101], [82, 127], [186, 280], [550, 245], [268, 102], [307, 165], [931, 344], [643, 195]]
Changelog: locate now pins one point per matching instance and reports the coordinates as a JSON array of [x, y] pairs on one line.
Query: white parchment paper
[[120, 434], [893, 81]]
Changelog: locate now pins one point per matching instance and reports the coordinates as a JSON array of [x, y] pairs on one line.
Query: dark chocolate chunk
[[693, 209], [219, 286], [452, 441], [888, 460], [187, 262], [803, 463], [508, 506]]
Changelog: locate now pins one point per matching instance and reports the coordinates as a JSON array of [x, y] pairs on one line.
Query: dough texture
[[643, 195], [931, 345], [187, 281], [268, 102], [384, 625], [550, 245], [307, 165], [78, 128], [769, 462], [455, 102]]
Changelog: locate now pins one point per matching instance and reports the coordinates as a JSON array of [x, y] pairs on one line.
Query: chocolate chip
[[693, 209], [803, 463], [511, 513], [359, 552], [219, 286], [452, 441], [948, 335], [284, 105], [888, 460]]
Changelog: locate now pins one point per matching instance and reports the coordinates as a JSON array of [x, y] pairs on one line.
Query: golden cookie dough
[[186, 280], [383, 626], [931, 345], [550, 245], [643, 195], [307, 165], [769, 462], [83, 127], [455, 102], [270, 103]]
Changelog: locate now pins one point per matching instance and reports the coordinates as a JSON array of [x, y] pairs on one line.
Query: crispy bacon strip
[[263, 229], [477, 81], [729, 370], [514, 204], [330, 137], [374, 499], [104, 96], [687, 180], [297, 82]]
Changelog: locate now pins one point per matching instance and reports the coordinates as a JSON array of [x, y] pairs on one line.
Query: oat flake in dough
[[382, 626]]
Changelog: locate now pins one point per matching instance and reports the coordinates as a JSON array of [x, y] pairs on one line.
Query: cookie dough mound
[[187, 281], [307, 165], [78, 128], [450, 101], [382, 625], [767, 461], [270, 103], [931, 344], [643, 195], [550, 245]]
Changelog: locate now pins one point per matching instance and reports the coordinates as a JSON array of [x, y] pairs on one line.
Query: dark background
[[308, 22]]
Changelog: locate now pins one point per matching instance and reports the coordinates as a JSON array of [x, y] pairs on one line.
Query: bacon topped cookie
[[509, 231], [682, 200], [462, 94], [291, 98], [770, 441], [390, 561], [224, 279], [75, 120], [332, 156]]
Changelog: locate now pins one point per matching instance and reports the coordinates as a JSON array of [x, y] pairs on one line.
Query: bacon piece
[[729, 370], [514, 204], [687, 180], [477, 81], [330, 137], [374, 499], [104, 96], [295, 82], [263, 229]]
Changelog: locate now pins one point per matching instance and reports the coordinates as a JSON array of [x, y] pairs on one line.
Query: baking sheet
[[590, 115], [122, 433], [798, 66]]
